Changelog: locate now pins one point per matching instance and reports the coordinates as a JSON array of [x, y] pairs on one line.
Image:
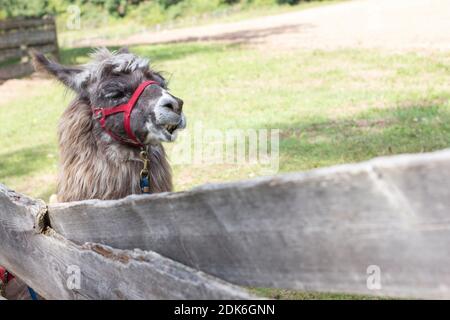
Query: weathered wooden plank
[[6, 54], [16, 71], [17, 36], [10, 24], [12, 53], [27, 37], [318, 230], [47, 48], [49, 263]]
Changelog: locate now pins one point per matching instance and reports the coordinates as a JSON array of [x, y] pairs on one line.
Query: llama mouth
[[170, 128]]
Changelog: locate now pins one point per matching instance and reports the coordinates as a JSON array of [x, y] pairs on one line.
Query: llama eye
[[114, 95]]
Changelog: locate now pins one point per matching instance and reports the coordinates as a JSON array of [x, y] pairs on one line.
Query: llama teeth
[[170, 128]]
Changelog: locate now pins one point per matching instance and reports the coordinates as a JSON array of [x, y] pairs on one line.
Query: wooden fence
[[326, 230], [17, 37]]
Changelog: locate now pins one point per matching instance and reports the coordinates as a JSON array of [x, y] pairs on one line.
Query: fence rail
[[323, 230], [17, 37], [43, 259]]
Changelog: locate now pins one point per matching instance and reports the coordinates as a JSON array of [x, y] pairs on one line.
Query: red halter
[[102, 113], [5, 276]]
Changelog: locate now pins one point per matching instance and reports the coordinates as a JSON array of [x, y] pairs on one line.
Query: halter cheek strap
[[102, 113]]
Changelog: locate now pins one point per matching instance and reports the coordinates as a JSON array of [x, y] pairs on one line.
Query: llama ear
[[72, 77], [123, 50]]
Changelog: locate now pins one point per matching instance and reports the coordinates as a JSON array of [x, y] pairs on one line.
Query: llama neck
[[93, 166]]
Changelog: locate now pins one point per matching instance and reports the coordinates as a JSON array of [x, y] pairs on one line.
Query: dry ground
[[381, 24]]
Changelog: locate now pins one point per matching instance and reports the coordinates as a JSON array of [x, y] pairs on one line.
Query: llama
[[104, 160], [110, 157]]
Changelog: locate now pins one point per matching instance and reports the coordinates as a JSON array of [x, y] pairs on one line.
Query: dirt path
[[16, 88], [384, 24]]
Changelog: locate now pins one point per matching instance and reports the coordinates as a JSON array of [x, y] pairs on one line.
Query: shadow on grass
[[246, 36], [26, 161], [169, 50], [154, 52], [412, 129]]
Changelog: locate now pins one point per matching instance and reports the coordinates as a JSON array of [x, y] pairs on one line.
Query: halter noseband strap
[[102, 113]]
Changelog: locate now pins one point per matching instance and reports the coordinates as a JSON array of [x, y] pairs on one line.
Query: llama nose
[[180, 104], [174, 104]]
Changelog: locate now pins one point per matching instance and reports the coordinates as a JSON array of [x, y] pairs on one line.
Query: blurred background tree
[[19, 8], [120, 8]]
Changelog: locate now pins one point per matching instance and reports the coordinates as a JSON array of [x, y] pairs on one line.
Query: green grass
[[331, 107], [278, 294]]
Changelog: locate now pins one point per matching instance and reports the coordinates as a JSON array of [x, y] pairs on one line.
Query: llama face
[[110, 79], [162, 115], [157, 115]]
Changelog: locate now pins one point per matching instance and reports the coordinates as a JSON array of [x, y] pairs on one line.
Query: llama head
[[109, 80]]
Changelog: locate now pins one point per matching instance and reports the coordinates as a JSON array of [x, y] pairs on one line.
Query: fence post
[[17, 37]]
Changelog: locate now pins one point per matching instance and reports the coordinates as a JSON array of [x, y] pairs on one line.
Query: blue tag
[[32, 294], [145, 185]]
